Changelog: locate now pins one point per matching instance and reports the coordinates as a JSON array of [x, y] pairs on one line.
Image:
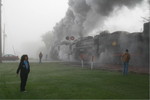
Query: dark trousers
[[24, 78], [40, 60], [125, 69]]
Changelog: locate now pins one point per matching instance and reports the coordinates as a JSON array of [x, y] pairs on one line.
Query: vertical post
[[0, 35], [92, 62], [92, 65], [4, 36], [82, 63], [82, 58]]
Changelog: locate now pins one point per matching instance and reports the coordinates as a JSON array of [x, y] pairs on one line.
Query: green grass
[[59, 81]]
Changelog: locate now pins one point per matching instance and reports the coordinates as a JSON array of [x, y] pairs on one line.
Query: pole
[[82, 58], [4, 36], [0, 35], [82, 63], [92, 65], [92, 62]]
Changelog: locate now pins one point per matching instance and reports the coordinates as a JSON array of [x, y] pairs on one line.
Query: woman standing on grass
[[24, 69]]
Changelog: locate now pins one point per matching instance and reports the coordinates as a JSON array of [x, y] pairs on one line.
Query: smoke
[[63, 54], [105, 7], [106, 57], [84, 16]]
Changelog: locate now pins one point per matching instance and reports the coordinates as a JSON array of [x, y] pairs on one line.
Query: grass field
[[59, 81]]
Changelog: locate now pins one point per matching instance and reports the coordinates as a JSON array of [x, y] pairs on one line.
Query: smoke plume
[[83, 16]]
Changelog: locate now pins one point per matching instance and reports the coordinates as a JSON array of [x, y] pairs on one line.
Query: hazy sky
[[26, 20]]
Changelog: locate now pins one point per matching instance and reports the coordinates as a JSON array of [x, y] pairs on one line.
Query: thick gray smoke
[[83, 16]]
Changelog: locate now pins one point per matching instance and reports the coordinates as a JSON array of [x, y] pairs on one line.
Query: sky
[[26, 21]]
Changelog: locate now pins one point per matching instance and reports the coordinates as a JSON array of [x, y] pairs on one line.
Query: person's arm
[[29, 66], [19, 67]]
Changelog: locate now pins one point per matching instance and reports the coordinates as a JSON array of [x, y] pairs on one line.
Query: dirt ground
[[113, 67], [139, 69]]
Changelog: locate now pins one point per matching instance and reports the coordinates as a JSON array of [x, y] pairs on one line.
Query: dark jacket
[[22, 69]]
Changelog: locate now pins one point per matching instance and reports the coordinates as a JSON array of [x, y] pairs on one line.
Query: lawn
[[60, 81]]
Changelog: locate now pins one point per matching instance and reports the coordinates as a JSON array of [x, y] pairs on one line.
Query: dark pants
[[125, 69], [40, 61], [24, 78]]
